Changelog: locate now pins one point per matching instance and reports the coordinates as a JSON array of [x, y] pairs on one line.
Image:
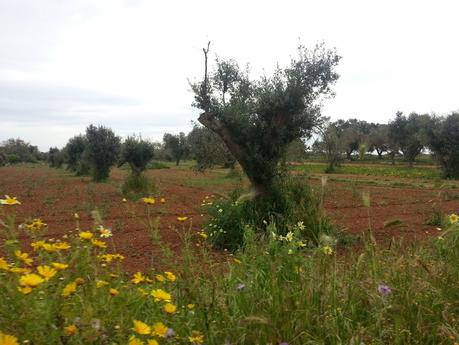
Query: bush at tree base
[[292, 205]]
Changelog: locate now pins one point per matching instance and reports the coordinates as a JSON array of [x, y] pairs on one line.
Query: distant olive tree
[[258, 119], [378, 139], [176, 145], [208, 149], [137, 153], [444, 142], [74, 153], [410, 134], [102, 151], [55, 157]]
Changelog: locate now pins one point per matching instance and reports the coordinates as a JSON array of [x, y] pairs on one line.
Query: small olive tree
[[258, 119], [137, 153], [74, 153], [176, 145], [102, 151]]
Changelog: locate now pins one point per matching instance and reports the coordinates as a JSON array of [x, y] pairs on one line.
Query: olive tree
[[102, 151], [137, 153], [444, 142], [74, 152], [258, 119], [176, 145]]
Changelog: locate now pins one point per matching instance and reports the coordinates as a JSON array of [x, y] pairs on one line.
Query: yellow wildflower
[[138, 278], [31, 280], [9, 201], [6, 339], [69, 289], [61, 246], [46, 272], [170, 276], [25, 289], [237, 261], [37, 245], [98, 244], [59, 266], [113, 292], [104, 232], [143, 292], [453, 218], [35, 225], [20, 270], [24, 257], [149, 201], [162, 200], [300, 244], [160, 278], [190, 306], [4, 265], [141, 327], [108, 258], [327, 250], [182, 219], [170, 308], [202, 234], [86, 235], [161, 295], [159, 329], [135, 341], [196, 337], [152, 342], [101, 283], [70, 330]]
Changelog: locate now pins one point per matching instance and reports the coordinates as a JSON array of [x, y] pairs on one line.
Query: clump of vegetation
[[56, 157], [137, 153], [295, 207], [102, 151], [14, 151]]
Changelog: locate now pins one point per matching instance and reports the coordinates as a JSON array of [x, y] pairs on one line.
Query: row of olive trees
[[407, 136], [18, 151], [98, 150]]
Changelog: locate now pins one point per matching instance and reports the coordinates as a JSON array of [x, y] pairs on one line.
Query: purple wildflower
[[384, 290], [170, 333]]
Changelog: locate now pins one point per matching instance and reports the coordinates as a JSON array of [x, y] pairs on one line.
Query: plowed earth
[[55, 196]]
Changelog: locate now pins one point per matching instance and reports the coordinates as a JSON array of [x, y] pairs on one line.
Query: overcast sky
[[126, 63]]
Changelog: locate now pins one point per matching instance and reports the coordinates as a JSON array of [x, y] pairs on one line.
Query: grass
[[430, 173], [272, 291]]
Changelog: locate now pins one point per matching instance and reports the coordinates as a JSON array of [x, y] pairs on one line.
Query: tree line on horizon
[[404, 137]]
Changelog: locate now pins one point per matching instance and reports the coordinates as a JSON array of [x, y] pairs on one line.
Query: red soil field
[[55, 196]]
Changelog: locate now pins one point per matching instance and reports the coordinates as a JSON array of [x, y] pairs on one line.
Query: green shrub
[[135, 187], [292, 206], [137, 153]]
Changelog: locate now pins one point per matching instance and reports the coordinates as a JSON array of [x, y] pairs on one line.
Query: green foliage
[[208, 149], [137, 153], [409, 134], [257, 120], [292, 203], [102, 151], [17, 151], [176, 145], [74, 153], [136, 186], [378, 139], [56, 157], [444, 142]]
